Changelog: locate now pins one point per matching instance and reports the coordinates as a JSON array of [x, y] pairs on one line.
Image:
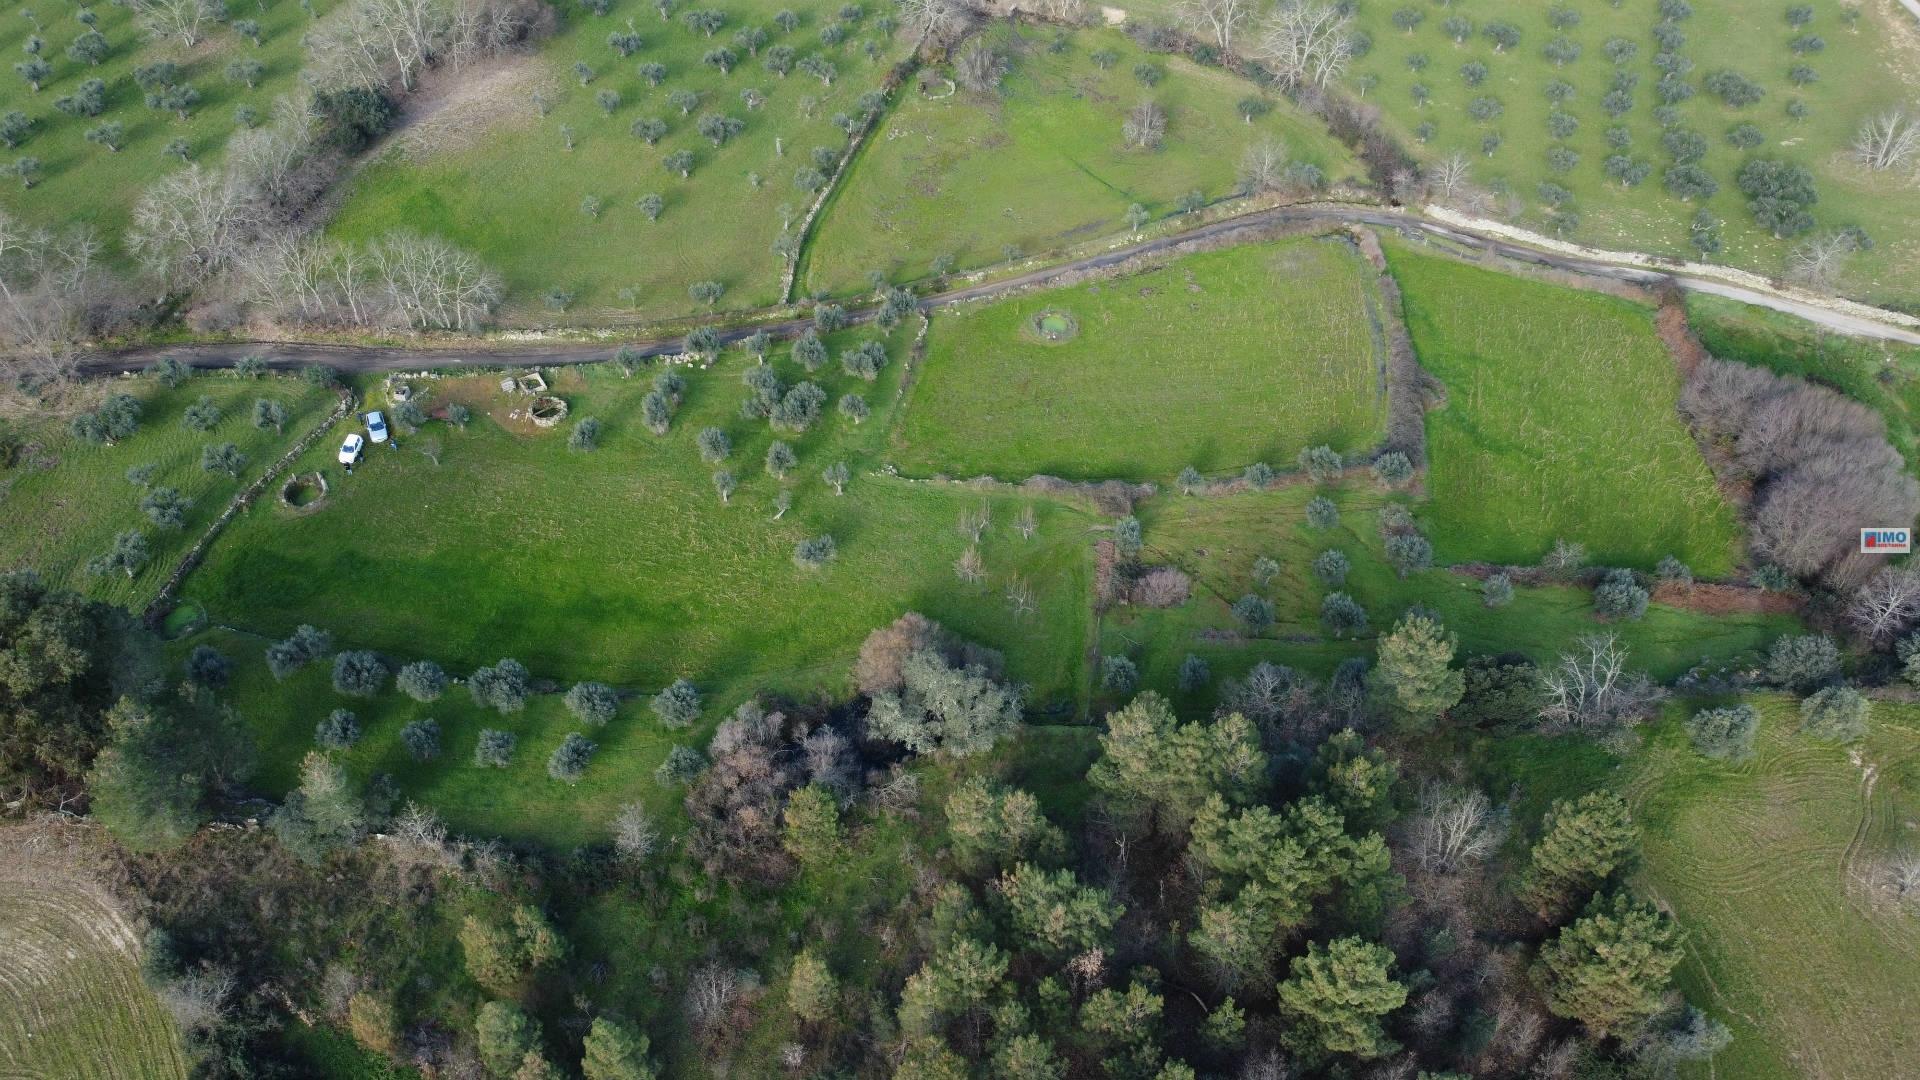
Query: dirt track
[[359, 359]]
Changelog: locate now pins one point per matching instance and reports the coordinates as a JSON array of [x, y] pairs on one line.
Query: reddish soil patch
[[1727, 599], [1677, 335]]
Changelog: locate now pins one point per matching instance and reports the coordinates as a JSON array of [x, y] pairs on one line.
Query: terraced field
[[72, 1006], [1771, 865], [1560, 421], [1215, 360]]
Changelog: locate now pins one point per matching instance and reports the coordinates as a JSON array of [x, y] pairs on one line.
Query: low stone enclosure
[[547, 410], [304, 492]]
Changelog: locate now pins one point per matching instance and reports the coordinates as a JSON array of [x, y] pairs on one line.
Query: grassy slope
[[1560, 422], [71, 1001], [1215, 361], [622, 564], [55, 519], [1862, 71], [1812, 972], [1216, 541], [84, 183], [513, 194], [1041, 165], [1882, 375]]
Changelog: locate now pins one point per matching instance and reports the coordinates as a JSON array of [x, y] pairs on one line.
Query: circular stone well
[[547, 410], [1053, 326], [303, 492]]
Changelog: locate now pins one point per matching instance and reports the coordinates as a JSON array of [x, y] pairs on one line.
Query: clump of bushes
[[1836, 714], [1725, 734], [1802, 662]]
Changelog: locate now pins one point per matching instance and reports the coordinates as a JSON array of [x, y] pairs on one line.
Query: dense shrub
[[1619, 596], [338, 731], [422, 680], [359, 673], [422, 739], [1331, 567], [1502, 691], [504, 686], [569, 760], [1409, 552], [1803, 662], [305, 645], [352, 118], [1724, 733], [592, 703], [1496, 591], [1118, 674], [1836, 714], [1342, 615], [678, 705], [681, 765], [495, 748]]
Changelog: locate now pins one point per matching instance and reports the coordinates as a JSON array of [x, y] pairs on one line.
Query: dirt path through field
[[1837, 315]]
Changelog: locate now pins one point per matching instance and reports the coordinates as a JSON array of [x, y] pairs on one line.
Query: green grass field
[[494, 175], [1559, 422], [1215, 361], [623, 565], [71, 1001], [56, 518], [85, 183], [1862, 71], [1882, 375], [1042, 165], [1762, 862], [1216, 540]]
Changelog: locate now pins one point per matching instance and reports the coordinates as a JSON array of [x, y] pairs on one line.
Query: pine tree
[[1336, 995], [811, 989], [812, 832], [615, 1051], [1412, 672], [1609, 969], [1584, 842]]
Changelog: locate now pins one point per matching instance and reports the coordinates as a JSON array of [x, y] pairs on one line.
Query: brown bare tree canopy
[[1818, 463]]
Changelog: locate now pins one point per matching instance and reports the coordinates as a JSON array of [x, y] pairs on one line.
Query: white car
[[350, 449], [377, 427]]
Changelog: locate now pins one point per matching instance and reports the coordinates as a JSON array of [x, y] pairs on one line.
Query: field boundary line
[[163, 602], [896, 78]]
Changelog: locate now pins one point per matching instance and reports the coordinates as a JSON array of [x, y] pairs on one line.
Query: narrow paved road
[[354, 358]]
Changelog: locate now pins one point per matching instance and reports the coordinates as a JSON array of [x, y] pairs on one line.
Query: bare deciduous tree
[[1890, 140], [1216, 20], [935, 20], [432, 284], [1887, 604], [1263, 168], [191, 225], [1452, 177], [970, 568], [50, 295], [1306, 44], [973, 523], [1591, 689], [1145, 126], [1818, 260], [185, 21], [1454, 830], [634, 835]]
